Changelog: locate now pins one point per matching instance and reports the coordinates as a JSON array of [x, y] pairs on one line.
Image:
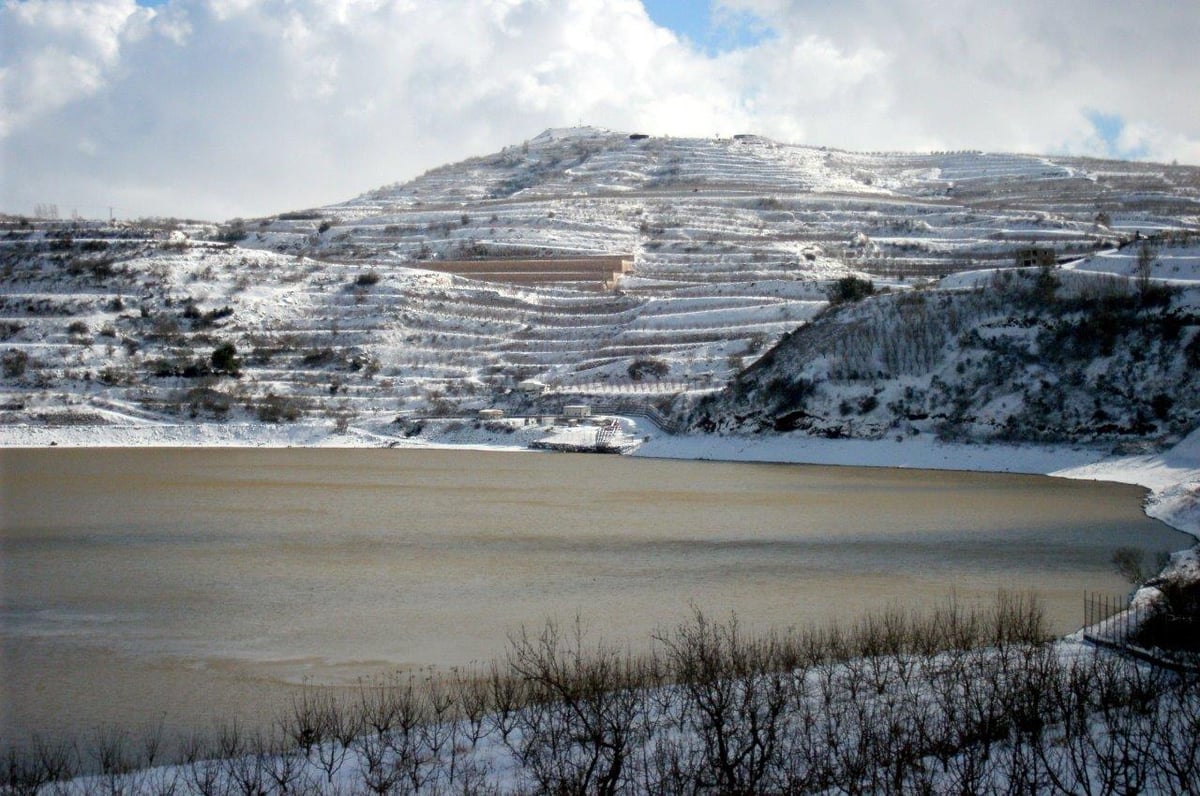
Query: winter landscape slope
[[352, 314], [780, 300], [1050, 355]]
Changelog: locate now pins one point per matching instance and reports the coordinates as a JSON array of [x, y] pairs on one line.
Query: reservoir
[[181, 587]]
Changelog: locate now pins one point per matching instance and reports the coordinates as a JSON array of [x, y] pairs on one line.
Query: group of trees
[[640, 369], [959, 363], [956, 701], [849, 289]]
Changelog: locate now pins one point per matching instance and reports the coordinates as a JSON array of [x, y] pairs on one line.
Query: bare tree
[[585, 718], [1144, 266], [1129, 562]]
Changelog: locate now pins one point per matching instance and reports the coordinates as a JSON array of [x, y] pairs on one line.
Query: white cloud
[[239, 107], [1021, 75], [252, 106], [56, 52]]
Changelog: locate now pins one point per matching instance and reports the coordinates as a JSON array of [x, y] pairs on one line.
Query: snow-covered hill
[[349, 312], [1042, 354]]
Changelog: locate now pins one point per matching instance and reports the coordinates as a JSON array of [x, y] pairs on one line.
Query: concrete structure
[[595, 273], [577, 410]]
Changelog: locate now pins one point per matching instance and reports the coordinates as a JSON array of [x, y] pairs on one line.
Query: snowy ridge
[[340, 314]]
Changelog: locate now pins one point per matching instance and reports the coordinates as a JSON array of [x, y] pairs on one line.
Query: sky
[[213, 109]]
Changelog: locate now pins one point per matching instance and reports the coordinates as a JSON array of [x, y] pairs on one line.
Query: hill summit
[[610, 267]]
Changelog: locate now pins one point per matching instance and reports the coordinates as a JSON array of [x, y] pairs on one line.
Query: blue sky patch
[[1108, 127], [713, 29]]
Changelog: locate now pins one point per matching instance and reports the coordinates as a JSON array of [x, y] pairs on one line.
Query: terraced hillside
[[694, 212], [348, 312]]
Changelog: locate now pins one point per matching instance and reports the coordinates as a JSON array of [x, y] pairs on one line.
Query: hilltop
[[438, 296]]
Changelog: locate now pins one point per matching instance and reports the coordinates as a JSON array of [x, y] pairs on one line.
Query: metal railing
[[1114, 623], [639, 409]]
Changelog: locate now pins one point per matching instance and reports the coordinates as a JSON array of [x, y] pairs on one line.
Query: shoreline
[[1155, 471], [1171, 476]]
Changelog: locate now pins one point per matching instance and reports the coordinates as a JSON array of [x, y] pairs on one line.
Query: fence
[[1137, 630], [1111, 618], [647, 411]]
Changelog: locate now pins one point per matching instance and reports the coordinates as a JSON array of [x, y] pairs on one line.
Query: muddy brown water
[[184, 587]]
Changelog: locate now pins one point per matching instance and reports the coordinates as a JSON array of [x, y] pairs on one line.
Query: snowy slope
[[340, 313], [1081, 354]]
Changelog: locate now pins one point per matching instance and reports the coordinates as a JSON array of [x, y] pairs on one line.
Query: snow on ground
[[917, 452], [1173, 478], [1172, 263], [923, 453], [209, 435]]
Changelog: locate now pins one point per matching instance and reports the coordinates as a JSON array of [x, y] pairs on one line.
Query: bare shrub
[[202, 774], [23, 774], [376, 767], [585, 718], [952, 701], [279, 409], [286, 769], [1129, 563], [14, 362], [304, 723], [1176, 718], [110, 751], [732, 698]]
